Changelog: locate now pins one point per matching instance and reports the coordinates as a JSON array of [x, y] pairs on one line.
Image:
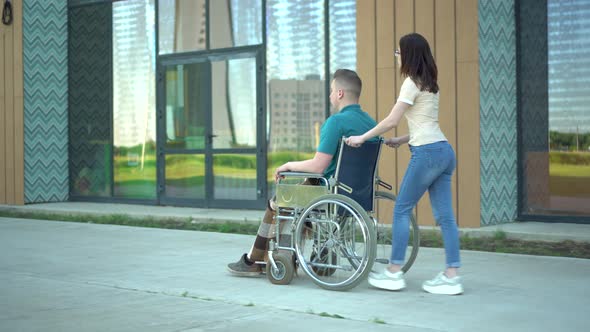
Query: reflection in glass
[[182, 25], [233, 83], [236, 23], [569, 107], [90, 68], [185, 176], [235, 176], [342, 35], [186, 105], [296, 83], [134, 99]]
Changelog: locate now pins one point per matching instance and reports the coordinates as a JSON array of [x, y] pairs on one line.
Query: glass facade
[[134, 99], [342, 35], [211, 108], [182, 26], [555, 111], [296, 71]]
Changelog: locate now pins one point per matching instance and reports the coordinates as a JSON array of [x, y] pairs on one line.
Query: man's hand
[[393, 142], [282, 168], [354, 141]]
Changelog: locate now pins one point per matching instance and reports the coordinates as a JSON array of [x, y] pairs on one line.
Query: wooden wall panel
[[366, 54], [3, 111], [387, 161], [447, 76], [425, 25], [425, 20], [404, 24], [386, 80], [11, 103], [450, 26], [19, 123], [9, 116], [468, 161]]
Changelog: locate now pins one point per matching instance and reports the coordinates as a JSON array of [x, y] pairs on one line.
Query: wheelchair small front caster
[[284, 272]]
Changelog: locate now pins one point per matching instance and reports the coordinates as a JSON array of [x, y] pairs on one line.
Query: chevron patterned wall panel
[[498, 125], [90, 99], [45, 51]]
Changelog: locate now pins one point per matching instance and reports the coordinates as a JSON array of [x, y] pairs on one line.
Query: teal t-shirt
[[350, 121]]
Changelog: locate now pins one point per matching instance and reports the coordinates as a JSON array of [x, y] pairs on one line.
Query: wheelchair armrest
[[301, 174]]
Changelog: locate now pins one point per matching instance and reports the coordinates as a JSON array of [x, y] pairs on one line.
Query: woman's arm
[[395, 142], [390, 122]]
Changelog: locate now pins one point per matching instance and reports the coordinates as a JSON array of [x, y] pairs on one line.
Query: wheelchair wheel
[[324, 257], [334, 242], [384, 239], [284, 272]]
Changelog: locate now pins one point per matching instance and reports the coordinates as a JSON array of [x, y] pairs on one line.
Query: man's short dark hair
[[348, 80]]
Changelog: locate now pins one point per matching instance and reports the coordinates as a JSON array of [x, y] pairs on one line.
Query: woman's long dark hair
[[418, 62]]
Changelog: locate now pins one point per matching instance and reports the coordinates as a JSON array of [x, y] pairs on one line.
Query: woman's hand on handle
[[354, 141], [396, 142], [393, 142]]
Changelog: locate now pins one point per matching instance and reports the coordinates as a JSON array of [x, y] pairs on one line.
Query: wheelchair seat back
[[357, 168]]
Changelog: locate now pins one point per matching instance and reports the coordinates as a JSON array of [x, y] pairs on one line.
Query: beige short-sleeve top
[[422, 116]]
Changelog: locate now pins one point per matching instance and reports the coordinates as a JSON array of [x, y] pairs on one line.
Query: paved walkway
[[60, 276]]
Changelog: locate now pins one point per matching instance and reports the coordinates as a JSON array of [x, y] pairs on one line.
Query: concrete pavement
[[59, 276]]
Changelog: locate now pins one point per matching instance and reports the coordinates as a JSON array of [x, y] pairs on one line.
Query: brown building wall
[[451, 28], [11, 110]]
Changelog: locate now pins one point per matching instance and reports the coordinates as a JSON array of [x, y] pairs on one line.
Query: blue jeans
[[430, 168]]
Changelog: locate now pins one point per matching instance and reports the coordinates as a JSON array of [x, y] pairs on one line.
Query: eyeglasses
[[396, 52]]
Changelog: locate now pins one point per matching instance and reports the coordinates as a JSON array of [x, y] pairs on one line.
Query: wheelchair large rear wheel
[[384, 228], [335, 242]]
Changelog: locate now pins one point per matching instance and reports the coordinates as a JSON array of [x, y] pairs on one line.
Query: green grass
[[125, 220], [499, 242], [579, 171]]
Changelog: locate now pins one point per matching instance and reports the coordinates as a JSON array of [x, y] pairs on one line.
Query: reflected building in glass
[[297, 114], [569, 66]]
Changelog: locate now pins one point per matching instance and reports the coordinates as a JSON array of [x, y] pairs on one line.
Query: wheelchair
[[336, 236]]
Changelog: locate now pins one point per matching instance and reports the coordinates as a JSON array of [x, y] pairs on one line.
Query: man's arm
[[317, 164]]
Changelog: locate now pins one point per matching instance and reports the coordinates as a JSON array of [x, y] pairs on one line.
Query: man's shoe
[[387, 280], [244, 268], [441, 284]]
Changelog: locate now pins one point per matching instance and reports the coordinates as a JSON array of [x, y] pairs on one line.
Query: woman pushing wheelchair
[[430, 168]]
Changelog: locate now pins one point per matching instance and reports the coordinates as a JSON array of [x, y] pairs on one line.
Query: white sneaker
[[387, 280], [441, 284]]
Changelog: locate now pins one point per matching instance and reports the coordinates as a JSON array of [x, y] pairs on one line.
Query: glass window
[[294, 65], [186, 105], [185, 176], [555, 111], [134, 99], [182, 25], [235, 176], [235, 23], [569, 106], [234, 102], [90, 96], [342, 35]]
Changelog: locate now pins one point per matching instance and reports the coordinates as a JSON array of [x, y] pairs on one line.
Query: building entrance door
[[211, 137]]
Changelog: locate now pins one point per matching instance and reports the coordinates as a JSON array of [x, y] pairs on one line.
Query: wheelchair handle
[[344, 187], [384, 184]]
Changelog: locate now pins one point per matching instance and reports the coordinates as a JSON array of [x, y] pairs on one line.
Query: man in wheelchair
[[349, 120]]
